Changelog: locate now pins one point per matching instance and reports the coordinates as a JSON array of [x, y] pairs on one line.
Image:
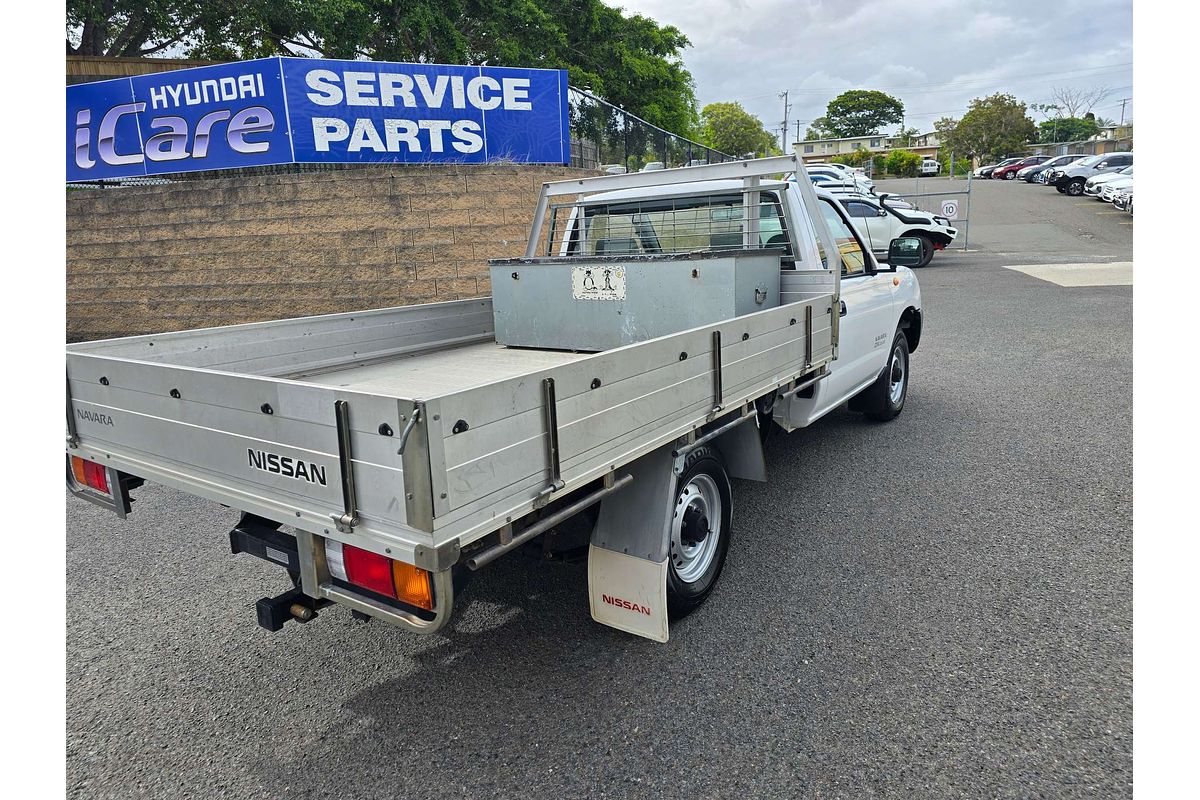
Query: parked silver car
[[1071, 179]]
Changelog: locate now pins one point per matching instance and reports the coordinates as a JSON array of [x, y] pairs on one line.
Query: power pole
[[797, 130], [783, 137], [1123, 102]]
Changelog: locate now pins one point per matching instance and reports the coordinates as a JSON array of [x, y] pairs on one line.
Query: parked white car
[[1111, 188], [929, 167], [878, 222], [651, 166], [862, 182], [825, 180], [835, 186], [1094, 186], [836, 165]]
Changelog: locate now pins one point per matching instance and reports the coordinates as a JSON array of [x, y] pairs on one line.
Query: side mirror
[[904, 252], [882, 212]]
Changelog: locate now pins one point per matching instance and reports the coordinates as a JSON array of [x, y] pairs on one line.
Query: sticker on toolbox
[[598, 282]]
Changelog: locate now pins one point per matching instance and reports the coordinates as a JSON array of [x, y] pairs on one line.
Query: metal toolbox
[[600, 303]]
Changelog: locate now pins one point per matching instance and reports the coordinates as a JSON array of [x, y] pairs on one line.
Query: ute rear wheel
[[700, 532]]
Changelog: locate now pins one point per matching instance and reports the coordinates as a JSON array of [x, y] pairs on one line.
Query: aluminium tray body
[[204, 410]]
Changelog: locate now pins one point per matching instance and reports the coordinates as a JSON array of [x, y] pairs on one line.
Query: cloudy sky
[[934, 55]]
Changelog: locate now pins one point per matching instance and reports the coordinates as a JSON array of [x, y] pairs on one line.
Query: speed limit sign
[[949, 209]]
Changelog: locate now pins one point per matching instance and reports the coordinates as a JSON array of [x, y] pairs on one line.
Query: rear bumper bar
[[303, 555]]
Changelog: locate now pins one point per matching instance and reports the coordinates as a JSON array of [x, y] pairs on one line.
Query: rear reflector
[[379, 574], [333, 558], [90, 474]]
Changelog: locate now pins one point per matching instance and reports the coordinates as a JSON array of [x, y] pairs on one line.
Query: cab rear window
[[677, 225]]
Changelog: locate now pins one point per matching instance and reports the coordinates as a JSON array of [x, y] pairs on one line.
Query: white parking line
[[1110, 212], [1115, 273]]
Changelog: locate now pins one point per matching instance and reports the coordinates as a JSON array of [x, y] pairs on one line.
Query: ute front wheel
[[884, 399]]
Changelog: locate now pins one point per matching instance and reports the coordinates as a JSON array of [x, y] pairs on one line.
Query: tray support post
[[345, 521]]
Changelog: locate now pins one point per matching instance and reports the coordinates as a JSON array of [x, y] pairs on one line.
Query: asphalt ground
[[939, 606]]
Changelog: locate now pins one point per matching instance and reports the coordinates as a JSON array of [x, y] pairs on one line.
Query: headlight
[[942, 221]]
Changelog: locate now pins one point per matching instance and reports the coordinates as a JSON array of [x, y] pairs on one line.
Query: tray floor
[[433, 374]]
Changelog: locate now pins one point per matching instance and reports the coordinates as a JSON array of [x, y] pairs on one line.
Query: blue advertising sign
[[188, 120], [361, 111], [285, 110]]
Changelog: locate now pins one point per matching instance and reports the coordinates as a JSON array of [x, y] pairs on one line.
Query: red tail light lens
[[368, 570], [97, 476], [90, 474]]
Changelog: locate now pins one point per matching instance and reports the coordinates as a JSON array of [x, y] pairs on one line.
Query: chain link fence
[[609, 138]]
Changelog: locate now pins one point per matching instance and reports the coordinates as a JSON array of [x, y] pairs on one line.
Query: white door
[[867, 319]]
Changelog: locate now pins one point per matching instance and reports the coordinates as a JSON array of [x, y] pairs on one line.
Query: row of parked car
[[1107, 177], [879, 218]]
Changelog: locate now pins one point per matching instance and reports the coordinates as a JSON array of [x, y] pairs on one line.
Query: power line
[[952, 85]]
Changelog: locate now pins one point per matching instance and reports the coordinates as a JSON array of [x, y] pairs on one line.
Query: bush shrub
[[855, 158], [903, 163]]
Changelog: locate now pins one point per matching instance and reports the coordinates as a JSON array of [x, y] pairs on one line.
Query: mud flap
[[742, 451], [627, 559], [628, 593]]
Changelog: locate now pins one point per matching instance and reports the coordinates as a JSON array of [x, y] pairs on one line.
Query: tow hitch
[[262, 538], [273, 612]]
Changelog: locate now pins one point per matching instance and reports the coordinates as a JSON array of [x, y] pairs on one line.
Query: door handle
[[841, 308]]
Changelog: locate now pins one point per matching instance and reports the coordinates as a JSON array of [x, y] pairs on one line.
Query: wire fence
[[609, 138]]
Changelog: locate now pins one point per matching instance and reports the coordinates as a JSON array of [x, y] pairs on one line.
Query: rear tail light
[[379, 574], [90, 474]]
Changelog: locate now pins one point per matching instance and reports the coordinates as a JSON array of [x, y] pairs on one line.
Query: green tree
[[992, 127], [862, 112], [905, 136], [630, 61], [732, 129], [818, 129], [1066, 129]]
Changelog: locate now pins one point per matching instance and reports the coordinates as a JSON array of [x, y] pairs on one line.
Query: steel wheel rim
[[896, 376], [691, 559]]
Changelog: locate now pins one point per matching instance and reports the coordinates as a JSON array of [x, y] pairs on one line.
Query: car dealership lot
[[952, 619]]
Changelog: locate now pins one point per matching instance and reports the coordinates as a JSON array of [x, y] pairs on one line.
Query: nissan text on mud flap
[[618, 377]]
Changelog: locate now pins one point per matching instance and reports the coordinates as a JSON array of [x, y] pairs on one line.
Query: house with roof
[[1110, 139], [814, 150]]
